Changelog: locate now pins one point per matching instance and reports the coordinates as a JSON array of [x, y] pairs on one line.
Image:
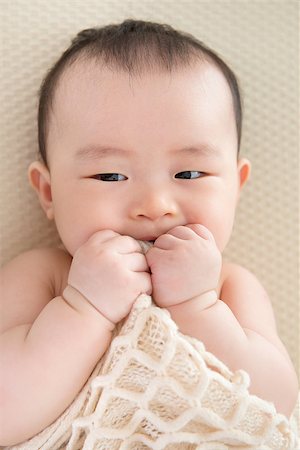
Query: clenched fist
[[110, 271], [185, 263]]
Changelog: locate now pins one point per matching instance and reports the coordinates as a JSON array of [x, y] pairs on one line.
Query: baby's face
[[143, 155]]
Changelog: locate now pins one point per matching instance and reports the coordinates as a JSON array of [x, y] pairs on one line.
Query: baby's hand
[[110, 271], [185, 263]]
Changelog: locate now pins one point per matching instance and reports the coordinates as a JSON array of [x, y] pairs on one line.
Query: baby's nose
[[154, 204]]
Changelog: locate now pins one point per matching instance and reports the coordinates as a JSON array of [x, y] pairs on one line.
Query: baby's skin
[[130, 161]]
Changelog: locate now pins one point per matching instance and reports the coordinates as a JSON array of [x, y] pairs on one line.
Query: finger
[[144, 283], [136, 262], [164, 242], [182, 232], [127, 244], [167, 241], [102, 236], [124, 244], [201, 231]]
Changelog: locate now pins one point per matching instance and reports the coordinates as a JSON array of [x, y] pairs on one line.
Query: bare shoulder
[[248, 300], [29, 282]]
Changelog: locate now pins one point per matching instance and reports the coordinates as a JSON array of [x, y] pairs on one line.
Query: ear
[[244, 171], [39, 179]]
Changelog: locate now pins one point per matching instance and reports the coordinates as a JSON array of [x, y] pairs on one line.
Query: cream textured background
[[258, 38]]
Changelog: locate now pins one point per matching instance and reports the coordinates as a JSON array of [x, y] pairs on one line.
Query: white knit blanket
[[158, 389]]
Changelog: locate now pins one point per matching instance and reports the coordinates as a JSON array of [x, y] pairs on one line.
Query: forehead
[[93, 100], [86, 77]]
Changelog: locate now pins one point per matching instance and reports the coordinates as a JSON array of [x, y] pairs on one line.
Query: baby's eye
[[110, 177], [189, 174]]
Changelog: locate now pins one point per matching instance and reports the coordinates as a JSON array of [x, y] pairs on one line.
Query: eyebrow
[[99, 151], [94, 152], [199, 150]]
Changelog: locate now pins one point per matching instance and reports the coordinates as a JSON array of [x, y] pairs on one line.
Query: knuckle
[[123, 277], [101, 236], [130, 241], [201, 230], [178, 230]]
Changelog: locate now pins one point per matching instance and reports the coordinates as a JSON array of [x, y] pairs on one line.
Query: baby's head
[[139, 131], [136, 48]]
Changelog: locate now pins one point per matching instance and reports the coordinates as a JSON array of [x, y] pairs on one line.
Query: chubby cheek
[[73, 220], [71, 230], [78, 217], [223, 232], [217, 216]]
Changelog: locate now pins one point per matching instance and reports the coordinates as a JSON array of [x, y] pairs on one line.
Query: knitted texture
[[158, 389]]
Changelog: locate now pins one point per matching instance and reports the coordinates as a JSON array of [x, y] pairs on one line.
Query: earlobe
[[244, 171], [39, 179]]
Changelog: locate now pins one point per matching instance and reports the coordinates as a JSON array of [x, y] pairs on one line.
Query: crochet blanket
[[158, 389]]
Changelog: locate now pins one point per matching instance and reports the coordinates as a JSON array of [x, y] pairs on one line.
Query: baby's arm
[[239, 329], [49, 346]]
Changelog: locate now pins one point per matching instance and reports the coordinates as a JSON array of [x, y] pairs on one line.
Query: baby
[[139, 134]]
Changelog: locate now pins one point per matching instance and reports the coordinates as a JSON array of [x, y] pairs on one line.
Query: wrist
[[83, 306], [195, 304]]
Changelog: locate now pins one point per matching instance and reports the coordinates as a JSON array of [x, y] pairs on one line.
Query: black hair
[[133, 46]]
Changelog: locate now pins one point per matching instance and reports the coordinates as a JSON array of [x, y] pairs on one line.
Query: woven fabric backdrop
[[258, 38]]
